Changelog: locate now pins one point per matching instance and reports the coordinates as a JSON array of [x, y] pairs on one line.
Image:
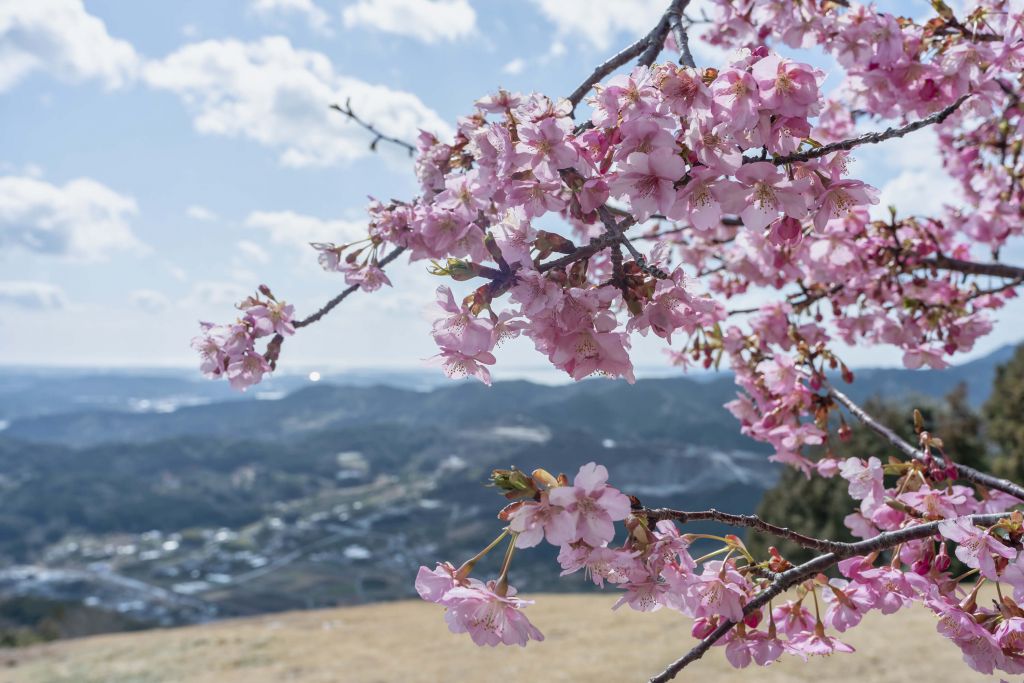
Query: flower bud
[[942, 560], [545, 478], [702, 628], [514, 483]]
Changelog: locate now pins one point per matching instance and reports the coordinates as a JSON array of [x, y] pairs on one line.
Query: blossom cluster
[[654, 568], [682, 190], [230, 350]]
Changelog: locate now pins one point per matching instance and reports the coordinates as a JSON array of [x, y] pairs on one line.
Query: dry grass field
[[408, 642]]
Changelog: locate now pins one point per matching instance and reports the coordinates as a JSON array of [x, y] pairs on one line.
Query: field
[[408, 642]]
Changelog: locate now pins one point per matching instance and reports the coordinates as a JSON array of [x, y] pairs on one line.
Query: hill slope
[[408, 642]]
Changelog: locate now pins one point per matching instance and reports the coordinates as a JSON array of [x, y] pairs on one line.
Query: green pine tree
[[1004, 416]]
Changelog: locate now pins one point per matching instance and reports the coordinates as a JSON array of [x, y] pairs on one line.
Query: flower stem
[[467, 567], [501, 588]]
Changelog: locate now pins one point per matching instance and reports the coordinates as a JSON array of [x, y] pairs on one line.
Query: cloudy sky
[[160, 159]]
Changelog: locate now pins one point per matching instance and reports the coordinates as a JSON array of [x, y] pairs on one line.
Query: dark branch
[[378, 136], [792, 577], [646, 48], [973, 268], [965, 472], [867, 138], [675, 23], [748, 521], [597, 244], [329, 306]]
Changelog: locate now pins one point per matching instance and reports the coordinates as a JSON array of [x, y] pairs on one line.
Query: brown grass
[[408, 642]]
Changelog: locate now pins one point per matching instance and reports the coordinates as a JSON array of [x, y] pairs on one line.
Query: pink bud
[[942, 560], [702, 628]]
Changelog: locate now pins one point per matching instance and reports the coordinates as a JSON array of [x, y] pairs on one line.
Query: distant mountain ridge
[[333, 494], [678, 407]]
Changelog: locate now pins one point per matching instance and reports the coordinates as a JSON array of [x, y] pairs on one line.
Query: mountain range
[[163, 499]]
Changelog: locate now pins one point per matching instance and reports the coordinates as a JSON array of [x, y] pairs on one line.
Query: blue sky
[[160, 159]]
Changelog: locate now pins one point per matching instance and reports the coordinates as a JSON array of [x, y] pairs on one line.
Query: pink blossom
[[865, 480], [590, 507], [461, 331], [847, 604], [457, 364], [718, 591], [272, 317], [246, 370], [613, 565], [736, 100], [583, 353], [975, 547], [839, 198], [369, 277], [787, 88], [648, 180], [545, 145], [434, 584], [489, 618], [812, 644], [767, 194], [753, 645], [533, 520]]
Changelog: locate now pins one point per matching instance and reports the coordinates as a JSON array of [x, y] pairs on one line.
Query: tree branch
[[675, 23], [792, 577], [973, 268], [596, 244], [646, 48], [867, 138], [329, 306], [748, 521], [964, 472], [378, 136]]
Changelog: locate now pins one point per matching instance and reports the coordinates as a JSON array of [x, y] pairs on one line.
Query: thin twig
[[867, 138], [747, 521], [378, 136], [312, 318]]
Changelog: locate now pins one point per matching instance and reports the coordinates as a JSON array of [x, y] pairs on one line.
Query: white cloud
[[60, 37], [317, 19], [33, 296], [298, 230], [253, 252], [909, 173], [149, 300], [83, 219], [205, 295], [427, 20], [279, 96], [599, 21], [200, 213], [514, 67]]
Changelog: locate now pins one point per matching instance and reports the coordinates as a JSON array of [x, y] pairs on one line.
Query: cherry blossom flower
[[533, 521], [648, 180], [767, 194], [975, 547], [589, 508], [489, 618]]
